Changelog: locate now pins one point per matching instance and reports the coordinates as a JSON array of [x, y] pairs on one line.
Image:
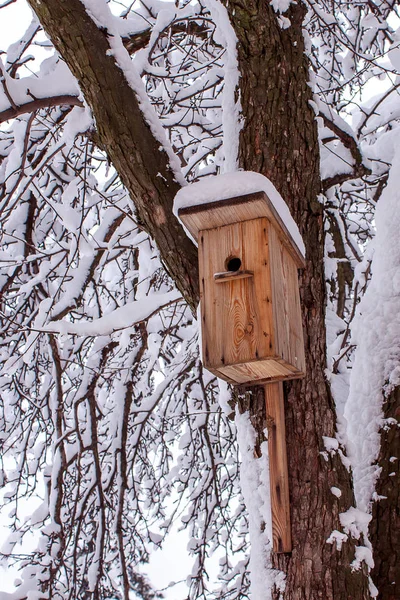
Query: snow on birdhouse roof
[[223, 199]]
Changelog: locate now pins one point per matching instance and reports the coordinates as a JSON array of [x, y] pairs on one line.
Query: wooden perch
[[232, 276]]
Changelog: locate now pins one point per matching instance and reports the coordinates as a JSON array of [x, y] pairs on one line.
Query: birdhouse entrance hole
[[233, 263]]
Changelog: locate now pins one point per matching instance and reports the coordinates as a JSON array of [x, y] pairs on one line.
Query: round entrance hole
[[233, 263]]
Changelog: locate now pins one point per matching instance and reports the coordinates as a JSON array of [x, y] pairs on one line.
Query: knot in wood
[[249, 327], [270, 423]]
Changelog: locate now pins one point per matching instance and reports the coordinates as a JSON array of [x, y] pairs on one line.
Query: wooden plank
[[278, 468], [232, 276], [259, 371], [286, 302], [296, 354], [237, 322], [279, 295], [233, 210]]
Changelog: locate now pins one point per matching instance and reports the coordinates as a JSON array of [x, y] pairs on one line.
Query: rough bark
[[279, 139], [385, 524], [124, 134]]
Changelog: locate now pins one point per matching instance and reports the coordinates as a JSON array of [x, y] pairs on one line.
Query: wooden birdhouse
[[250, 251], [250, 307]]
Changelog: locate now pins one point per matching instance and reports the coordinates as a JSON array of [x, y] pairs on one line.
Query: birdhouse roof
[[210, 215]]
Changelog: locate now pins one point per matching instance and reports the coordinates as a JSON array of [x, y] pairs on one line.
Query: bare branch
[[38, 104]]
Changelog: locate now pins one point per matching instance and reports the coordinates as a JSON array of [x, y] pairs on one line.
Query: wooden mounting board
[[278, 468], [234, 210]]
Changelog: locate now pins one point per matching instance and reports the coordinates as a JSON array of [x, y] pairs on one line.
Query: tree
[[106, 410]]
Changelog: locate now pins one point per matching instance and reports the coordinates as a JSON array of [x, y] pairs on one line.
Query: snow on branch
[[55, 81], [38, 104], [100, 12], [125, 316]]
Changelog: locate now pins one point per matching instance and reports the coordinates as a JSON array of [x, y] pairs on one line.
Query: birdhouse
[[250, 307]]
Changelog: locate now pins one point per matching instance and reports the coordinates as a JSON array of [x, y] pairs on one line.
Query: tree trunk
[[279, 139], [385, 524]]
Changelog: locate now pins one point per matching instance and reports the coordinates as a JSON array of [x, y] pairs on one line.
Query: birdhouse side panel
[[286, 300], [236, 310]]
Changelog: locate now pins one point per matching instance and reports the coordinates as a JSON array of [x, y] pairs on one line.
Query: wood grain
[[278, 468], [251, 325], [232, 276], [286, 302], [258, 371], [237, 320]]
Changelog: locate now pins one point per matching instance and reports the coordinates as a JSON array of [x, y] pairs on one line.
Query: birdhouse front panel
[[236, 299]]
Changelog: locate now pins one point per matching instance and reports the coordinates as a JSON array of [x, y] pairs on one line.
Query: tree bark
[[124, 134], [385, 524], [279, 139]]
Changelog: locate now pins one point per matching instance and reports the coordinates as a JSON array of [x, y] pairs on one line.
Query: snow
[[224, 396], [122, 317], [335, 157], [355, 522], [55, 79], [373, 590], [337, 538], [231, 120], [16, 49], [335, 328], [331, 444], [230, 185], [164, 18], [363, 554], [376, 331], [281, 6], [336, 491]]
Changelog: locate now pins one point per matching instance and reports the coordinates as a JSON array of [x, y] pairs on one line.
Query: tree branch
[[131, 146], [348, 141], [140, 40], [37, 104]]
